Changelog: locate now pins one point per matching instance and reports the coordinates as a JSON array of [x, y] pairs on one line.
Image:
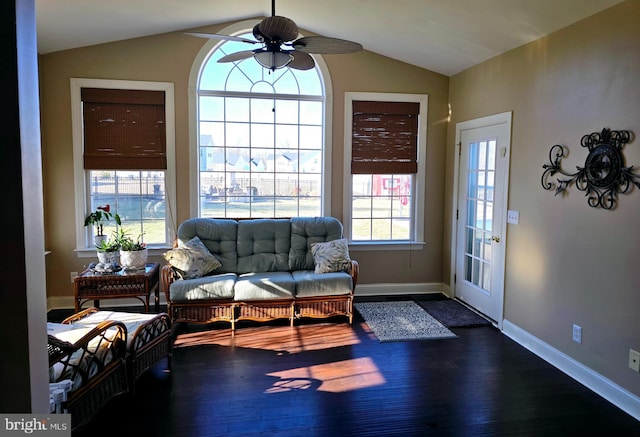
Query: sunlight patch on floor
[[282, 339], [334, 377]]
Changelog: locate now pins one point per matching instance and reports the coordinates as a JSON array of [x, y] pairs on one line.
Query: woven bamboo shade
[[124, 129], [384, 137]]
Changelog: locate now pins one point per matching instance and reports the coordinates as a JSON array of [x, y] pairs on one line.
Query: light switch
[[513, 217]]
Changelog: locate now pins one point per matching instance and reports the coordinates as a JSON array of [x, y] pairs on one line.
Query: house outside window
[[261, 144], [385, 148]]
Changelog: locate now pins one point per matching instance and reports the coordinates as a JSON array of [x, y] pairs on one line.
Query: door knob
[[496, 238]]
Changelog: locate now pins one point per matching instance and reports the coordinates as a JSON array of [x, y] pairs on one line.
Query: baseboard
[[66, 302], [597, 383], [57, 303], [393, 289]]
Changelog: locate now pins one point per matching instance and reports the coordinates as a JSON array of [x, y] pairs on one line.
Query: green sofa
[[263, 269]]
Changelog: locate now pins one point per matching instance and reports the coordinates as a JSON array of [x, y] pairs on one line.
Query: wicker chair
[[95, 364], [104, 358]]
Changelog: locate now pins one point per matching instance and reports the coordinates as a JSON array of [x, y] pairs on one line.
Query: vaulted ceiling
[[445, 36]]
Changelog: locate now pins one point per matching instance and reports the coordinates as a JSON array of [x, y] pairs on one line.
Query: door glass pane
[[482, 155], [472, 184], [486, 277], [491, 155], [473, 158], [488, 222], [486, 253], [468, 262], [479, 217], [469, 237], [476, 272]]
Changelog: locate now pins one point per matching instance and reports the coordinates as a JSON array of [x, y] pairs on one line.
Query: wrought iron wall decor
[[603, 176]]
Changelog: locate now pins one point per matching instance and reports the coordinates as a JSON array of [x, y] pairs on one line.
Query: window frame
[[417, 211], [194, 153], [84, 245]]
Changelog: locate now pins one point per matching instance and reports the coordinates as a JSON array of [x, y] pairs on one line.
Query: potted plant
[[99, 218], [133, 253], [107, 251]]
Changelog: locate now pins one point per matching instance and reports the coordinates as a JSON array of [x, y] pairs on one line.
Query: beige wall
[[169, 58], [567, 262]]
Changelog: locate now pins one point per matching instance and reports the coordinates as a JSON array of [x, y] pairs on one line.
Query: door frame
[[502, 118]]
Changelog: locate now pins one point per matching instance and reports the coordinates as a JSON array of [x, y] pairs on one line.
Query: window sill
[[91, 253], [385, 245]]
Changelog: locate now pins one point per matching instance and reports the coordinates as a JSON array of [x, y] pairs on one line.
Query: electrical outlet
[[73, 275], [634, 360], [577, 333]]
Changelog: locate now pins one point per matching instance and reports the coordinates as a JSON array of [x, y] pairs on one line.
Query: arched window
[[260, 139]]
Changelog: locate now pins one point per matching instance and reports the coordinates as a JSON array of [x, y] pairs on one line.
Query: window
[[385, 146], [123, 135], [260, 139]]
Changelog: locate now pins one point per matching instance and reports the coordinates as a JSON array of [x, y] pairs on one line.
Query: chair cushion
[[218, 235], [309, 283], [308, 230], [132, 321], [263, 245], [208, 287], [265, 286]]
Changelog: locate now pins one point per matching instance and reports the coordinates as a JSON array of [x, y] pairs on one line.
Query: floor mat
[[453, 314]]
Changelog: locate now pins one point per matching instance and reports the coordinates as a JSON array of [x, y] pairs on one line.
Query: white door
[[481, 211]]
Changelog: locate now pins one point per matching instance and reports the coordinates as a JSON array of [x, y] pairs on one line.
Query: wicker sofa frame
[[205, 311]]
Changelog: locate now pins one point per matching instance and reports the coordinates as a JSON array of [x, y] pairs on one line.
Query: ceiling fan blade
[[301, 61], [237, 56], [218, 36], [279, 29], [326, 45]]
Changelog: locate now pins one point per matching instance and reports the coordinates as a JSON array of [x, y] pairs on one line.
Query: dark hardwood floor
[[333, 379]]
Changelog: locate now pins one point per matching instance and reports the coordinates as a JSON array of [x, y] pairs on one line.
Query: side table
[[139, 284]]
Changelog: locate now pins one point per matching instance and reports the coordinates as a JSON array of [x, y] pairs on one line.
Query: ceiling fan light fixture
[[279, 48], [273, 59]]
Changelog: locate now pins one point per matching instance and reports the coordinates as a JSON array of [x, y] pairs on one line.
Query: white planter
[[108, 259], [134, 259], [98, 238]]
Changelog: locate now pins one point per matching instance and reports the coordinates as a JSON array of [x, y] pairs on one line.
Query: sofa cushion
[[331, 256], [207, 287], [264, 286], [309, 283], [192, 259], [218, 235], [308, 230], [263, 245]]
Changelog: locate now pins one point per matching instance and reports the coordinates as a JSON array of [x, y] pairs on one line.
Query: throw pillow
[[332, 256], [192, 259]]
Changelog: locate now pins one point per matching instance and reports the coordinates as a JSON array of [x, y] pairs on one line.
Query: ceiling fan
[[279, 46]]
